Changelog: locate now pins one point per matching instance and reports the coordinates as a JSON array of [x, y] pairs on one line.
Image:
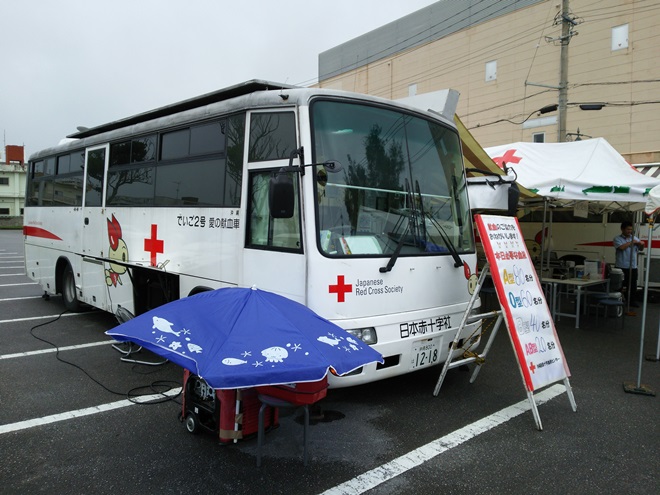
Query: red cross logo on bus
[[508, 157], [154, 245], [340, 288], [532, 368]]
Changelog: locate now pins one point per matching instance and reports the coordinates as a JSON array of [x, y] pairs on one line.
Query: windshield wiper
[[397, 251], [411, 218], [450, 245]]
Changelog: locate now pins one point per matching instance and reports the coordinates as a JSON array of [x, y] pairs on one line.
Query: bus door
[[273, 257], [94, 229]]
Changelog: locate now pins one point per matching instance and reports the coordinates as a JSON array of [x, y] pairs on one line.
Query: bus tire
[[69, 290]]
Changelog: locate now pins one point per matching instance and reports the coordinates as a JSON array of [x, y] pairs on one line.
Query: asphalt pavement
[[72, 422]]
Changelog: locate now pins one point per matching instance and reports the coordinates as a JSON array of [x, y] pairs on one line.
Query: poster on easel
[[527, 315]]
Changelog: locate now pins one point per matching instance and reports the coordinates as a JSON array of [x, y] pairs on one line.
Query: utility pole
[[568, 21], [566, 24]]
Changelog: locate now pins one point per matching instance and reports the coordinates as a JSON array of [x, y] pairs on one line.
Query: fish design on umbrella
[[236, 337]]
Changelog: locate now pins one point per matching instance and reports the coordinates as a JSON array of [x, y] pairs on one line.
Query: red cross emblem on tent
[[507, 158], [340, 288], [153, 245]]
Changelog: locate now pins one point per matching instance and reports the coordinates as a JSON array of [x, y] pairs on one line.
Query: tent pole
[[651, 357], [545, 212], [636, 233], [550, 240], [639, 388], [655, 358]]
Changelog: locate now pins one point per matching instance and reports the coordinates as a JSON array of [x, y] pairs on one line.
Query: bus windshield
[[401, 189]]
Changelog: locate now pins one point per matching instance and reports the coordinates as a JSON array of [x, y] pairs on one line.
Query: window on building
[[538, 137], [4, 211], [620, 37], [4, 181], [491, 70]]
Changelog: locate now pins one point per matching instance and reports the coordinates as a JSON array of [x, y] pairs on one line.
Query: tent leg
[[656, 358], [639, 387]]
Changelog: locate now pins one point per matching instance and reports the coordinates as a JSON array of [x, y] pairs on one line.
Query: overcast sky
[[67, 63]]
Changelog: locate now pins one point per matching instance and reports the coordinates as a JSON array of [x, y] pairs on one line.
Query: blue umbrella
[[235, 338]]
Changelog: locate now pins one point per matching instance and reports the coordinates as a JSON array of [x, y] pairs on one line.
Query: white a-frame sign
[[532, 331]]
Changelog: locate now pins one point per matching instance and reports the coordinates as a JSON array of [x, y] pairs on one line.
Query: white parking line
[[14, 285], [16, 320], [31, 423], [20, 298], [54, 349], [400, 465]]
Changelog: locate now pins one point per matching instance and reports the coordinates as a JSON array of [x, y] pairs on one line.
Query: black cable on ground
[[158, 387]]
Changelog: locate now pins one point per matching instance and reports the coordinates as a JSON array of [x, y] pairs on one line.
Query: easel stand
[[479, 359], [535, 410]]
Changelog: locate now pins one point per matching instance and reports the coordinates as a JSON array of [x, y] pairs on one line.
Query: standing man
[[627, 246]]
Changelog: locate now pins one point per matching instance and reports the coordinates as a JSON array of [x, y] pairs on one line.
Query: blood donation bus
[[353, 205]]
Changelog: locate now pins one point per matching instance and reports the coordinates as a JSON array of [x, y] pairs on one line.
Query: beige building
[[504, 57]]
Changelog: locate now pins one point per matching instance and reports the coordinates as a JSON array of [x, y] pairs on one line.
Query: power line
[[494, 50]]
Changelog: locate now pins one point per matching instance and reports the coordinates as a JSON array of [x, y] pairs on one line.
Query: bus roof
[[241, 89]]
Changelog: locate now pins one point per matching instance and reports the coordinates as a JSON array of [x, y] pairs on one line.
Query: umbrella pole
[[238, 411], [640, 388]]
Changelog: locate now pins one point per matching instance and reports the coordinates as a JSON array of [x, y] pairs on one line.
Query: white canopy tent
[[590, 170], [588, 175]]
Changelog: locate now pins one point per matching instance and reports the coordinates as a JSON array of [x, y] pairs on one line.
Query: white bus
[[352, 205]]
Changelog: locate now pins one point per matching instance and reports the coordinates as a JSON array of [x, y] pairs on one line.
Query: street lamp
[[548, 108], [578, 135], [591, 106]]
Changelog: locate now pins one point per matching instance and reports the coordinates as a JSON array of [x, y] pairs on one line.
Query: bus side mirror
[[281, 196]]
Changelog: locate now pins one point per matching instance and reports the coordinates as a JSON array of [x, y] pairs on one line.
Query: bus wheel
[[69, 290]]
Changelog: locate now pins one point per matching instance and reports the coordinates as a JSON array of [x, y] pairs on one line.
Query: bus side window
[[272, 136], [95, 175], [265, 231]]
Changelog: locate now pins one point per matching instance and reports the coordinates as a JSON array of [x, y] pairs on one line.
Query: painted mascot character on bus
[[118, 251]]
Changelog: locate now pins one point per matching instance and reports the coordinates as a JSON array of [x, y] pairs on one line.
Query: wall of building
[[625, 79], [12, 194], [12, 186]]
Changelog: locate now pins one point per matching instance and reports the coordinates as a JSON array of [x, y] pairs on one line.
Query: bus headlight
[[366, 335]]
